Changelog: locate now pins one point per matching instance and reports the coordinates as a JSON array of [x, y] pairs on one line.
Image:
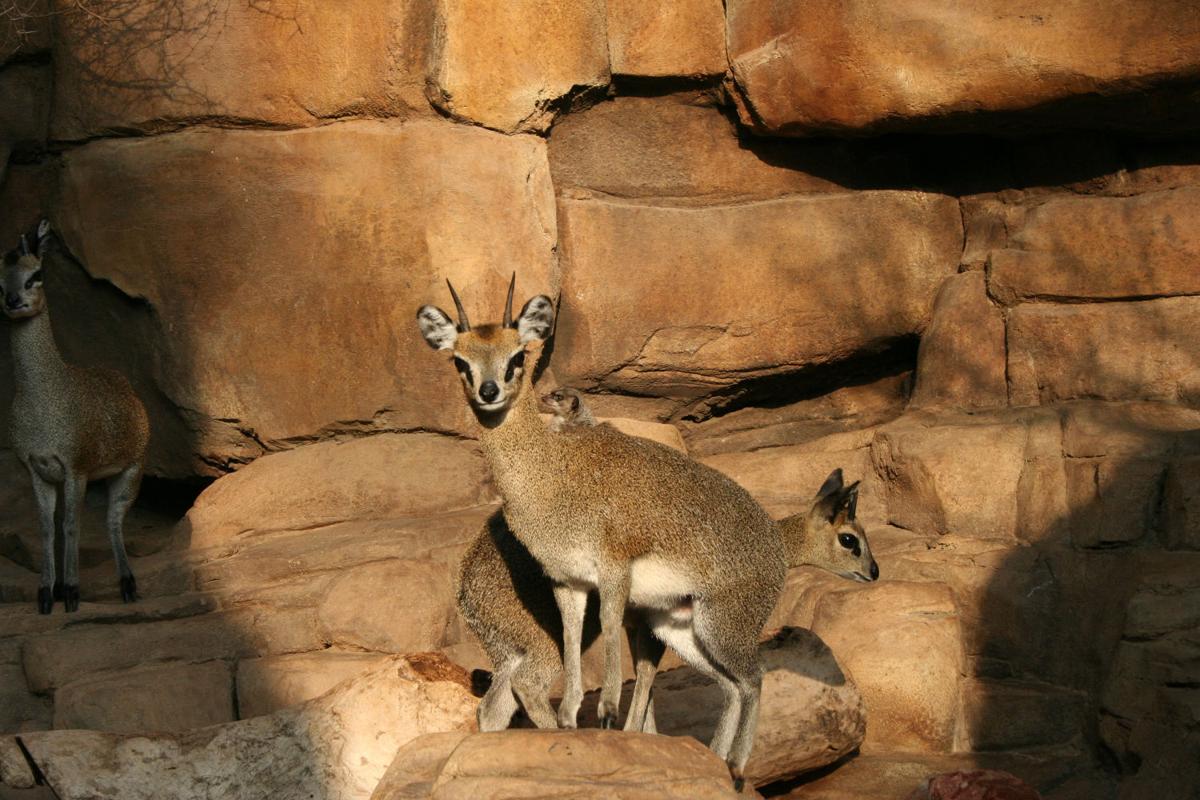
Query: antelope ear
[[536, 320], [832, 484], [23, 246], [437, 328], [851, 500], [42, 237]]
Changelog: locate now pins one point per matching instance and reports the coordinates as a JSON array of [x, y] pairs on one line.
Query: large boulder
[[374, 477], [284, 65], [862, 64], [555, 764], [1102, 351], [1101, 248], [335, 234], [961, 363], [266, 685], [785, 284], [336, 747], [166, 697], [684, 38], [508, 65]]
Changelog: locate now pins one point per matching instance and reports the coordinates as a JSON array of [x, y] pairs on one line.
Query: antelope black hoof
[[608, 722], [45, 599], [70, 598], [739, 780], [129, 589]]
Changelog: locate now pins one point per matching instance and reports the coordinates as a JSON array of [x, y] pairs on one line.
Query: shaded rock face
[[997, 336]]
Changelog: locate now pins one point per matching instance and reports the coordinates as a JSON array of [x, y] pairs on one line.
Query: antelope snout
[[489, 391], [874, 570]]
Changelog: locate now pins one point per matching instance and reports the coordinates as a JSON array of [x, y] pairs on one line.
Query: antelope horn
[[508, 320], [464, 324]]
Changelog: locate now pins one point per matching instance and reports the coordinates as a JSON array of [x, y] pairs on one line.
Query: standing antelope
[[508, 602], [638, 521], [69, 425]]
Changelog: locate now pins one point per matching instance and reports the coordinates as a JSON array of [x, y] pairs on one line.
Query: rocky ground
[[950, 250]]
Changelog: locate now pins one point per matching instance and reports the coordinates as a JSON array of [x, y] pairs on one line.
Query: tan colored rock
[[266, 685], [679, 146], [861, 64], [556, 764], [56, 658], [335, 747], [958, 476], [685, 38], [961, 363], [375, 477], [169, 697], [20, 709], [24, 104], [335, 235], [1122, 430], [1102, 247], [505, 65], [902, 645], [1110, 351], [1112, 500], [1012, 715], [1181, 505], [394, 606], [831, 276], [785, 479], [654, 431], [292, 64]]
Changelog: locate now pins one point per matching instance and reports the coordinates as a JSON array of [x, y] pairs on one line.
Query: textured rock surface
[[279, 63], [391, 211], [552, 764], [682, 38], [769, 304], [864, 64], [508, 68], [337, 746], [976, 785], [962, 359]]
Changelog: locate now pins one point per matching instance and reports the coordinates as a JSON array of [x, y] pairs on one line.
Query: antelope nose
[[13, 302], [489, 391], [874, 571]]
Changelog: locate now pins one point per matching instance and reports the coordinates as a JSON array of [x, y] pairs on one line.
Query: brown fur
[[69, 425]]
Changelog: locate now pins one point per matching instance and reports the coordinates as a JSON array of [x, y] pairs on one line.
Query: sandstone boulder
[[508, 65], [285, 65], [1181, 504], [1102, 248], [168, 697], [336, 234], [375, 477], [393, 606], [266, 685], [1066, 352], [961, 363], [864, 65], [555, 764], [685, 38], [902, 645], [337, 746], [812, 280]]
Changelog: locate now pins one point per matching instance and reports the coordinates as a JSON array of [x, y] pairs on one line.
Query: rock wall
[[950, 250]]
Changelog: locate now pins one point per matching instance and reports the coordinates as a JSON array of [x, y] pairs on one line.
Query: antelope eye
[[464, 369], [34, 278], [848, 540], [515, 363]]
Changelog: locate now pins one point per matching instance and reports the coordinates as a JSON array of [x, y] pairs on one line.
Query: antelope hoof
[[608, 717], [45, 599], [739, 779], [70, 598], [129, 589]]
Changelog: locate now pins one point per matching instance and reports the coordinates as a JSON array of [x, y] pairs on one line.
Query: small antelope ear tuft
[[42, 236], [850, 500], [437, 328], [832, 484], [536, 320]]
